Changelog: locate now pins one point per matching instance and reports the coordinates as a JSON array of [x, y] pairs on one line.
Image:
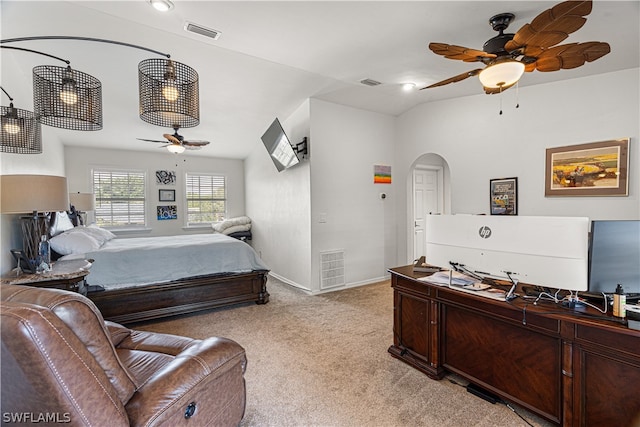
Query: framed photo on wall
[[167, 195], [593, 169], [166, 177], [503, 196], [167, 212]]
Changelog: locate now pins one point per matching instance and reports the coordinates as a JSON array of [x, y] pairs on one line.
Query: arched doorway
[[429, 191]]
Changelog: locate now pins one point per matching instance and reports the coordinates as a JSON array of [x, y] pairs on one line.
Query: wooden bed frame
[[182, 296]]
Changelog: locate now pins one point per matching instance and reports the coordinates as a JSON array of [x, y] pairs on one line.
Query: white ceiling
[[274, 55]]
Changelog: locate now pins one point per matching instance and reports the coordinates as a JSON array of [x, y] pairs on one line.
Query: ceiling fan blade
[[455, 79], [571, 55], [459, 52], [152, 140], [172, 139], [195, 143], [550, 27]]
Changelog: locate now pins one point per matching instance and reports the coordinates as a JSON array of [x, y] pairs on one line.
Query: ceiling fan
[[532, 47], [176, 143]]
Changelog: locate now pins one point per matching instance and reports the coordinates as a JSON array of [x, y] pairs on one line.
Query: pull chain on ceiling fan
[[533, 47]]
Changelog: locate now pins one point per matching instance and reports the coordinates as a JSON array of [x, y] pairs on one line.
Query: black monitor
[[614, 256]]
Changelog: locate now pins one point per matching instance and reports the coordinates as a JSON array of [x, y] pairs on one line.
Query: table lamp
[[33, 196], [82, 202]]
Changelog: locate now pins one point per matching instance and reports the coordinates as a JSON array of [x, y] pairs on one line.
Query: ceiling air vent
[[370, 82], [203, 31]]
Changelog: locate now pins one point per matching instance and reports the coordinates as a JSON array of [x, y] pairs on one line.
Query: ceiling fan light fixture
[[175, 148], [501, 74]]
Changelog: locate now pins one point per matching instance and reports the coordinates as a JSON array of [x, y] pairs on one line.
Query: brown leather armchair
[[62, 363]]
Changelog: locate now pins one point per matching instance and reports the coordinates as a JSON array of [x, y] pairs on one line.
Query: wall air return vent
[[203, 31], [331, 269], [370, 82]]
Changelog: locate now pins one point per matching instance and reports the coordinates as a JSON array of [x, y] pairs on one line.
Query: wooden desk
[[572, 369]]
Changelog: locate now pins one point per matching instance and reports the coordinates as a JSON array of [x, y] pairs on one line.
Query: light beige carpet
[[323, 361]]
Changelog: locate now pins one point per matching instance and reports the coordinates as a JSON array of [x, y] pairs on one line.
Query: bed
[[139, 279]]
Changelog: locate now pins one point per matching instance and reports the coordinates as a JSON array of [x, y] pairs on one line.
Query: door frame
[[411, 203]]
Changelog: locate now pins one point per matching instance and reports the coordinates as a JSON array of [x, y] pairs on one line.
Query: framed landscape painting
[[593, 169]]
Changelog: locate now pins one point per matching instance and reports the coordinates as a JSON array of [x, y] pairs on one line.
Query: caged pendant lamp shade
[[169, 93], [67, 98], [20, 131]]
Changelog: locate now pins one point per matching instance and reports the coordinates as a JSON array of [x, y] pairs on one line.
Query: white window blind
[[120, 197], [206, 199]]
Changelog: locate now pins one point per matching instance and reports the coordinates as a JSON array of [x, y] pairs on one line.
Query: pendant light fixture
[[67, 98], [70, 99], [169, 93], [20, 131]]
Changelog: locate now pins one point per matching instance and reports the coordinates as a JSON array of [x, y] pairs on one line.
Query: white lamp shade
[[83, 202], [22, 194], [502, 74], [175, 148]]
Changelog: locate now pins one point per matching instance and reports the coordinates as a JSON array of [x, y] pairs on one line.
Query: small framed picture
[[166, 177], [167, 195], [167, 212], [503, 196]]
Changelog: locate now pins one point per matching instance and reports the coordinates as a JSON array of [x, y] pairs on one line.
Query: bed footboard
[[183, 296]]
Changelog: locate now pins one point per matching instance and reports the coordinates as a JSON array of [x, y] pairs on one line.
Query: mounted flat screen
[[279, 147], [538, 250]]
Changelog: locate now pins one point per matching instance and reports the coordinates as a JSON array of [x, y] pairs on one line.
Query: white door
[[426, 200]]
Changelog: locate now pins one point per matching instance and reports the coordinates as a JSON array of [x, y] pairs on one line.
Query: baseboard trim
[[324, 291]]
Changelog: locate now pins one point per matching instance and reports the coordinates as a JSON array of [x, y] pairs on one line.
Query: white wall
[[49, 162], [80, 161], [278, 204], [328, 202], [479, 144], [347, 211]]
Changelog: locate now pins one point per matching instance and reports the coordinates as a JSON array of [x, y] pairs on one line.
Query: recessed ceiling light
[[408, 86], [161, 5]]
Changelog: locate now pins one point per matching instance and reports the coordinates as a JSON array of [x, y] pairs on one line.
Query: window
[[119, 197], [206, 199]]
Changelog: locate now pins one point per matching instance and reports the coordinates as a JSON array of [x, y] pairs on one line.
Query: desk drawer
[[411, 286]]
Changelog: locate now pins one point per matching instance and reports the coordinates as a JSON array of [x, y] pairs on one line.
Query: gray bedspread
[[125, 262]]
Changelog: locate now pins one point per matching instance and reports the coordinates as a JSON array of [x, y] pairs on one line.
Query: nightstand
[[68, 275]]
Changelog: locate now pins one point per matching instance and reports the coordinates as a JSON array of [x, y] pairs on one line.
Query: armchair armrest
[[175, 394]]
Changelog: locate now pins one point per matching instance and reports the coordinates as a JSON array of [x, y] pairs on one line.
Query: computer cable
[[516, 412], [507, 404]]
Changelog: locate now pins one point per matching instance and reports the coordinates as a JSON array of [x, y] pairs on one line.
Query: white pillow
[[73, 243], [100, 234], [61, 223], [106, 234]]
